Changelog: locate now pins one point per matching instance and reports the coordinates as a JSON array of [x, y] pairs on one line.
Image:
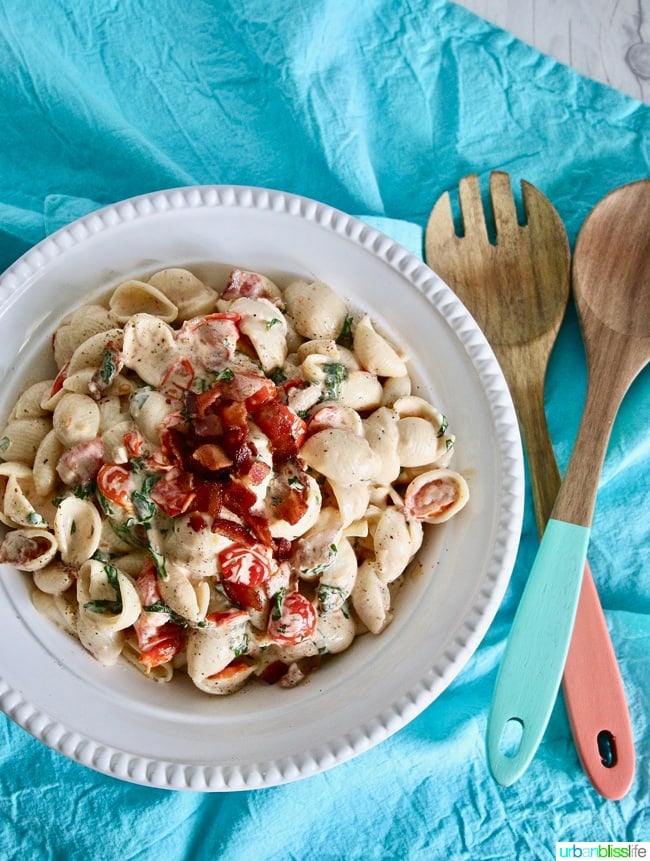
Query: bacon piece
[[284, 429], [80, 464], [244, 283], [19, 549], [211, 457]]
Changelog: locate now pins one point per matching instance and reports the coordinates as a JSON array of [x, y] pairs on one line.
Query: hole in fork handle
[[511, 736]]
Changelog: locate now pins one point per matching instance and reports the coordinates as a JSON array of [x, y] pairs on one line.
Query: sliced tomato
[[115, 483], [133, 442], [240, 563], [295, 621], [168, 641], [174, 493], [147, 584], [178, 377], [234, 668], [57, 385], [285, 430]]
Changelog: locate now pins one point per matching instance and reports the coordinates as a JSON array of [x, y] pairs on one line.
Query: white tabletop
[[606, 40]]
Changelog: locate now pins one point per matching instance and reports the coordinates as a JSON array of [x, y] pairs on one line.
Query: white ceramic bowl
[[173, 735]]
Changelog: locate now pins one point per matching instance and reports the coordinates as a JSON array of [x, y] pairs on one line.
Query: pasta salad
[[228, 484]]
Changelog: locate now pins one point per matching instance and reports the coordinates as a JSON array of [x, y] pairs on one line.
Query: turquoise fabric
[[375, 107]]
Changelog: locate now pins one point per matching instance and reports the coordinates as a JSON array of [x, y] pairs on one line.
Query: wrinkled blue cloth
[[375, 107]]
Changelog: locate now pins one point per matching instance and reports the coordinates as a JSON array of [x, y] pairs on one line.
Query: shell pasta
[[228, 484]]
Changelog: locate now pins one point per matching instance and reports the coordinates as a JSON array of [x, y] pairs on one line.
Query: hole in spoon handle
[[607, 748]]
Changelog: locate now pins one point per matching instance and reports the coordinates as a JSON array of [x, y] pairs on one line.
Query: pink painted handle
[[595, 699]]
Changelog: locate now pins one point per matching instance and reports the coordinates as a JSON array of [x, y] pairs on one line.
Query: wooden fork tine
[[503, 206], [440, 227], [471, 207]]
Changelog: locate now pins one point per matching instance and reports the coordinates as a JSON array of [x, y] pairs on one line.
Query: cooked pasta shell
[[361, 391], [316, 310], [412, 405], [29, 404], [89, 353], [316, 549], [28, 549], [18, 509], [179, 593], [375, 353], [137, 297], [75, 419], [21, 438], [266, 328], [190, 295], [331, 414], [132, 563], [380, 429], [77, 327], [338, 579], [17, 470], [58, 609], [149, 409], [335, 631], [78, 529], [112, 411], [115, 450], [282, 528], [341, 456], [194, 550], [55, 579], [394, 544], [394, 389], [419, 443], [352, 500], [45, 461], [320, 347], [211, 651], [371, 598], [99, 627], [435, 496], [149, 347]]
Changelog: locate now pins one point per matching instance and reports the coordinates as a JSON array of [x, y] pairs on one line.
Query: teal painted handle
[[531, 670]]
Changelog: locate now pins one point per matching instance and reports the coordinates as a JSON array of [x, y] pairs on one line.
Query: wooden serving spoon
[[611, 281], [517, 290]]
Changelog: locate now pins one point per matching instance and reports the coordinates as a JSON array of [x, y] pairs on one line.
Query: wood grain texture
[[605, 40], [517, 290], [611, 285], [521, 325]]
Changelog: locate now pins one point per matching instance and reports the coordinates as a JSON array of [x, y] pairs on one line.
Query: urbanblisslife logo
[[603, 850]]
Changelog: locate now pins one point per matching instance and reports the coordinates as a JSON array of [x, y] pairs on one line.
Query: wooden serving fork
[[517, 290]]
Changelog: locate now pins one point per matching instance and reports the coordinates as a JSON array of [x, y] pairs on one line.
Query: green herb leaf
[[345, 335], [330, 597], [161, 607], [278, 598], [270, 323], [278, 376], [107, 368], [159, 562], [443, 427], [5, 442], [36, 519], [335, 375], [225, 376]]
